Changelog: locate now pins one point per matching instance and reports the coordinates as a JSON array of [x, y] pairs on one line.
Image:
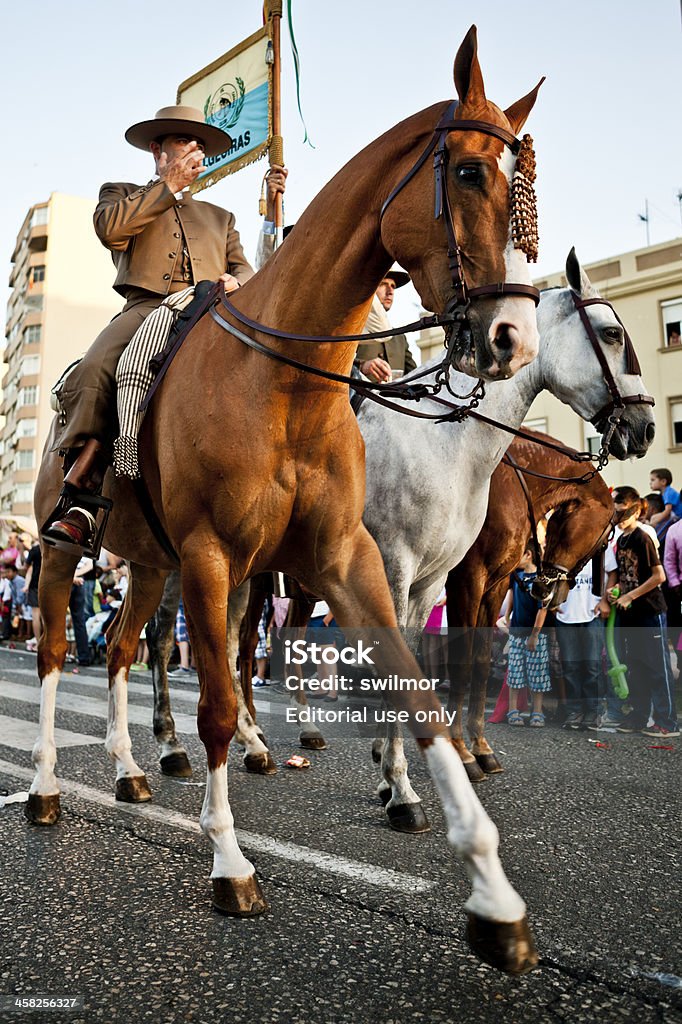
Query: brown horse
[[254, 465], [476, 587]]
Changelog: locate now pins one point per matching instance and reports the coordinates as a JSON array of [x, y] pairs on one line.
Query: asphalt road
[[113, 904]]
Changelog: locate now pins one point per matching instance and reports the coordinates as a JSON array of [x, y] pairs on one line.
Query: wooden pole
[[276, 154]]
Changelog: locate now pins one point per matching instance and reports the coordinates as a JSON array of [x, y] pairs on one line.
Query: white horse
[[428, 483]]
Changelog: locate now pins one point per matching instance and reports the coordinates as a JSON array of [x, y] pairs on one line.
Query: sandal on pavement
[[514, 718], [537, 720]]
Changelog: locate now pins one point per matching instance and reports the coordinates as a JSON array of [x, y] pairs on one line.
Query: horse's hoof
[[489, 764], [385, 795], [260, 764], [238, 897], [474, 771], [176, 765], [508, 947], [42, 810], [408, 818], [133, 790], [313, 742]]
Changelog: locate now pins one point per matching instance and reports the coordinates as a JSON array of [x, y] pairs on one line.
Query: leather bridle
[[462, 294], [618, 401]]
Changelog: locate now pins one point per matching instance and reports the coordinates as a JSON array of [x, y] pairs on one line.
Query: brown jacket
[[143, 228]]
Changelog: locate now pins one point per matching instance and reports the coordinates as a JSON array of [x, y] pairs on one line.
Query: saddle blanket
[[134, 377]]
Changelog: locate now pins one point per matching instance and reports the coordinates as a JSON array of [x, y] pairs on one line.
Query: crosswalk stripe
[[139, 689], [91, 706], [21, 735], [320, 860]]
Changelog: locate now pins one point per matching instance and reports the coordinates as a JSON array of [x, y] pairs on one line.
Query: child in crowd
[[636, 569], [71, 649], [660, 480], [528, 656], [10, 620], [182, 640]]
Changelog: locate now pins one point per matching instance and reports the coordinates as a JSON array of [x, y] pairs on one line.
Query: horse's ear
[[517, 114], [576, 276], [573, 271], [467, 71]]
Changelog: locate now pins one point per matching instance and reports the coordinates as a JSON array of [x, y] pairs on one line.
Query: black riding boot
[[73, 524]]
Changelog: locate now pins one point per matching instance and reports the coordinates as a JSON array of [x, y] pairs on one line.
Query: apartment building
[[645, 287], [61, 298]]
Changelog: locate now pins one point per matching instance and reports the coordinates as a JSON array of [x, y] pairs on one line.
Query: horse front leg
[[54, 590], [173, 759], [244, 610], [141, 601], [482, 751], [498, 929], [403, 806], [205, 587], [461, 644]]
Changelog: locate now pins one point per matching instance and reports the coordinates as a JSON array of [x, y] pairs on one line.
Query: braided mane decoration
[[524, 207]]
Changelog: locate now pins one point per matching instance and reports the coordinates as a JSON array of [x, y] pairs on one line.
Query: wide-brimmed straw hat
[[175, 121], [400, 277]]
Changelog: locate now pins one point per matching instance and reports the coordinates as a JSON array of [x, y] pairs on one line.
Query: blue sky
[[76, 74]]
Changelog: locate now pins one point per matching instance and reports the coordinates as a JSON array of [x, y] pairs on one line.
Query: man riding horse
[[161, 242]]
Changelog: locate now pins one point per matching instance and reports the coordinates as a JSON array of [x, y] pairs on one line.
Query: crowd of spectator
[[561, 653]]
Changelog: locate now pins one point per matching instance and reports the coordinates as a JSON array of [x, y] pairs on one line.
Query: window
[[675, 406], [28, 396], [32, 334], [27, 427], [40, 216], [25, 459], [23, 494], [36, 275], [672, 322], [30, 365]]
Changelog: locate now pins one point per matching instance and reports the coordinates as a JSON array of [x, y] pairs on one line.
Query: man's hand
[[230, 283], [604, 607], [78, 581], [624, 602], [276, 185], [181, 171], [377, 369], [532, 642]]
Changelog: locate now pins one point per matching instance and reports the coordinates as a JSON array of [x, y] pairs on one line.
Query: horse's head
[[588, 361], [493, 236], [576, 530]]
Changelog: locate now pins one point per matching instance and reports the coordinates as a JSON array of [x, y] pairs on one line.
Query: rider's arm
[[236, 262], [120, 215]]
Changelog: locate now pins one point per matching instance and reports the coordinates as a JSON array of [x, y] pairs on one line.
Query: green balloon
[[617, 671]]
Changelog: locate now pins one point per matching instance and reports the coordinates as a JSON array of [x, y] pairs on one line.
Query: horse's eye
[[612, 335], [469, 175]]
